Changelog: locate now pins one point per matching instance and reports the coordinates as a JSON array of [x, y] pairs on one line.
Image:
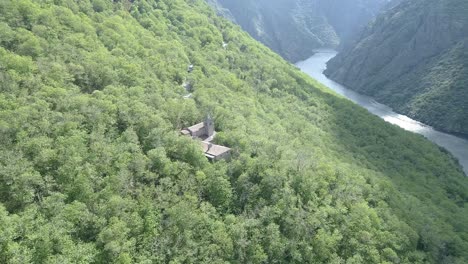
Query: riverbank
[[454, 144]]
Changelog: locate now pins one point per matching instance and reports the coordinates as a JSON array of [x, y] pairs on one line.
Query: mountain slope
[[93, 169], [294, 29], [415, 59]]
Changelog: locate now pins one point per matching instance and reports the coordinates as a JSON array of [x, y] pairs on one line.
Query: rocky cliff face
[[414, 57], [295, 28]]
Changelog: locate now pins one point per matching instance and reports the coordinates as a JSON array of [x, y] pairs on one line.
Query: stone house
[[205, 131]]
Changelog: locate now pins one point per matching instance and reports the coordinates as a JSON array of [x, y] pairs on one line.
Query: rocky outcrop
[[414, 57], [295, 28]]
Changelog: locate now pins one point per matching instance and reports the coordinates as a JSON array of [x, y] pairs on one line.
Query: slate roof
[[214, 150], [196, 127]]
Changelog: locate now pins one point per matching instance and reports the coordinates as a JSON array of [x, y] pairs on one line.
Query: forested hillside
[[295, 28], [415, 59], [93, 169]]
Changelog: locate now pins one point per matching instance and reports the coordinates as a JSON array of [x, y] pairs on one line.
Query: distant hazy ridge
[[294, 28]]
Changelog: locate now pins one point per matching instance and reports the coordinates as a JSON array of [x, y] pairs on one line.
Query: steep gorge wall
[[415, 59], [295, 28]]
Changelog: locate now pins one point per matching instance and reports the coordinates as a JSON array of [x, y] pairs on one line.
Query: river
[[315, 65]]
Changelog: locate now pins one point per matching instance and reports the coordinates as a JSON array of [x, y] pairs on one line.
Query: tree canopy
[[93, 170]]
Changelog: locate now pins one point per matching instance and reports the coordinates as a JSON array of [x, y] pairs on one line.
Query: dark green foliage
[[92, 169]]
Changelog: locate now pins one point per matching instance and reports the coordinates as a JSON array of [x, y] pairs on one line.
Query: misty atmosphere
[[295, 28], [234, 131]]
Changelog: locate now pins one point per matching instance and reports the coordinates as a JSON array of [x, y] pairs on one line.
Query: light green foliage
[[93, 169]]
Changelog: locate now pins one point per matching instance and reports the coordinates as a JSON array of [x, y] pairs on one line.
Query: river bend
[[316, 65]]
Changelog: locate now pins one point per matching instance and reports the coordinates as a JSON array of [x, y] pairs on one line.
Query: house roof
[[196, 127], [185, 132], [214, 150]]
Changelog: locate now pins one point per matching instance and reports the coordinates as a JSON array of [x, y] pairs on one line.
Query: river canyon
[[316, 65]]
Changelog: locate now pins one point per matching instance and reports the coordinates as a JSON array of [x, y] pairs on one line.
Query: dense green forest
[[414, 58], [93, 169]]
